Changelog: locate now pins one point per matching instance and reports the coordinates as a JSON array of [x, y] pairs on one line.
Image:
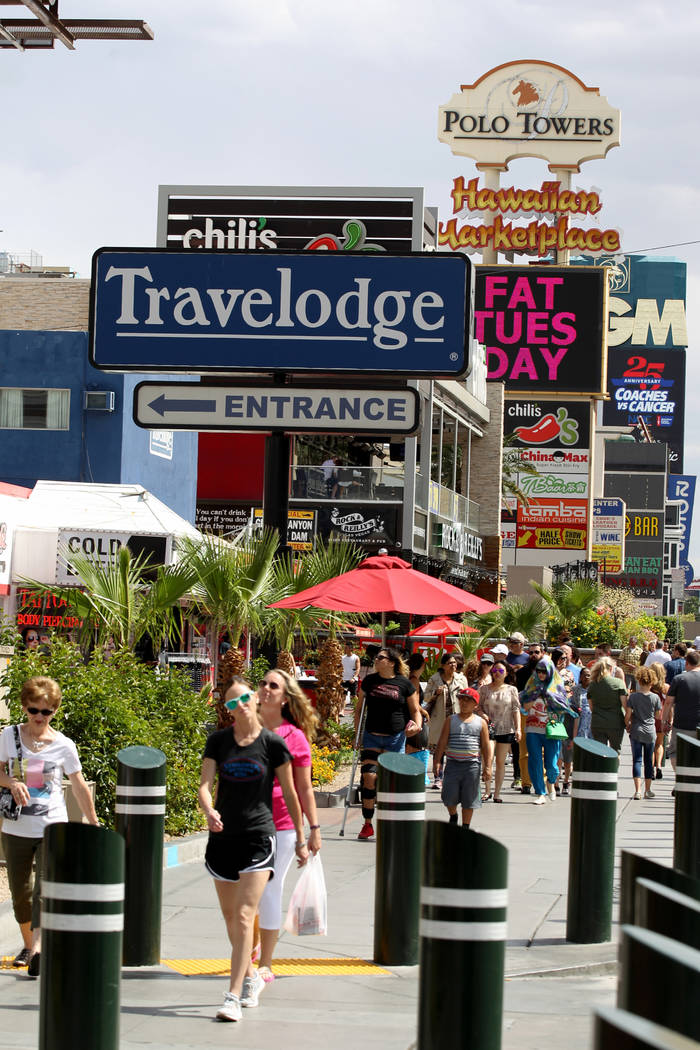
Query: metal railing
[[381, 484], [451, 505]]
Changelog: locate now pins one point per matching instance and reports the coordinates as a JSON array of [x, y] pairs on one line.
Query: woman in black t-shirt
[[392, 714], [240, 853]]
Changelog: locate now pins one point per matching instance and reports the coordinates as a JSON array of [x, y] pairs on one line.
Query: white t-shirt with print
[[42, 772]]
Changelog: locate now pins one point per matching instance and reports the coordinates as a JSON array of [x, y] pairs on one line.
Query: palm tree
[[293, 574], [566, 602], [121, 597], [513, 465], [514, 614], [231, 583]]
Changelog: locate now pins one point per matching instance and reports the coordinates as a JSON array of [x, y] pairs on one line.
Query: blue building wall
[[104, 447]]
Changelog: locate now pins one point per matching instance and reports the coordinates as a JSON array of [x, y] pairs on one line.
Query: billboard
[[681, 488], [646, 302], [156, 310], [264, 218], [556, 424], [650, 386], [543, 327], [608, 540]]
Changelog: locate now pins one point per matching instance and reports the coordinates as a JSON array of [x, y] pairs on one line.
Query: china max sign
[[529, 109], [180, 311]]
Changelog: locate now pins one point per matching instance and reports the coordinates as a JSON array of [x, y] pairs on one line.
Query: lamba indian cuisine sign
[[534, 238]]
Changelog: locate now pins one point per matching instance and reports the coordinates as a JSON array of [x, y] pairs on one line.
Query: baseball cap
[[470, 693], [516, 636], [500, 649], [487, 658]]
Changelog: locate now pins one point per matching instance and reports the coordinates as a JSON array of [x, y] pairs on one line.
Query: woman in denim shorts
[[393, 713]]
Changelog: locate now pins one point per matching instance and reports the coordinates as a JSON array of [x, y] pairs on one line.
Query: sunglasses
[[32, 638], [499, 670], [542, 672], [45, 711], [271, 685], [382, 656], [232, 704]]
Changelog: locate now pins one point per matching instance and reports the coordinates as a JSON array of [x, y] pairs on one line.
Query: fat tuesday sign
[[182, 311], [529, 109]]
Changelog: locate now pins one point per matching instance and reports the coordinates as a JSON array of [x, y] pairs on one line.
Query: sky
[[307, 92]]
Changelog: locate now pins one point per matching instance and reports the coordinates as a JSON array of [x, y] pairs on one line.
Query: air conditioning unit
[[99, 400]]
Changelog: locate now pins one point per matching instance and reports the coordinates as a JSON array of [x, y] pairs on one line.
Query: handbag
[[308, 907], [9, 810], [556, 731]]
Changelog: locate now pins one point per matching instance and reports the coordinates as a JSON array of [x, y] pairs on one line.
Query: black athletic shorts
[[228, 856]]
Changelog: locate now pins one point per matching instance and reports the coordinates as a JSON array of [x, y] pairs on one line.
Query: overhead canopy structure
[[46, 27]]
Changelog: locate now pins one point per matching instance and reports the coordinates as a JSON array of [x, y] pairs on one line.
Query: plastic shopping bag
[[308, 907]]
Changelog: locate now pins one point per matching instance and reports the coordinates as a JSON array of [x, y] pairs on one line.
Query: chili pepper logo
[[354, 238], [549, 428]]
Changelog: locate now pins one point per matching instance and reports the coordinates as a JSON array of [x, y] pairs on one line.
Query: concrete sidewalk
[[551, 986]]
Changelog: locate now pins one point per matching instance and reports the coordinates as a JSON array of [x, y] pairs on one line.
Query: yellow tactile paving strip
[[6, 963], [323, 967]]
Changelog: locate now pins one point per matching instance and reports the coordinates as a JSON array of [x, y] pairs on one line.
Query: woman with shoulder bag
[[441, 703], [36, 758]]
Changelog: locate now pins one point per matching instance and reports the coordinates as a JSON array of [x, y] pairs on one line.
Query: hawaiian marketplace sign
[[565, 208], [529, 109]]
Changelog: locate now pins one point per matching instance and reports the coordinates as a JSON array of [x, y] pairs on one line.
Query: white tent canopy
[[95, 518]]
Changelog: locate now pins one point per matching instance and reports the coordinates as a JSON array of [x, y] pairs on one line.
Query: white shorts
[[270, 907]]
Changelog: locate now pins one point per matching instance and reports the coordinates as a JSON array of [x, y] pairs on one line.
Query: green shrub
[[116, 703]]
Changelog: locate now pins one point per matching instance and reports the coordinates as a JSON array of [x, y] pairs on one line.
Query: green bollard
[[140, 820], [686, 828], [619, 1030], [462, 939], [634, 866], [592, 843], [82, 917], [663, 910], [659, 980], [400, 813]]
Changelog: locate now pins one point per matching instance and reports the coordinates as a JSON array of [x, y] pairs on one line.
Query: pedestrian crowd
[[518, 702]]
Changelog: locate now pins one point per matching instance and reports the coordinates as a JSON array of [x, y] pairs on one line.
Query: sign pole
[[276, 486]]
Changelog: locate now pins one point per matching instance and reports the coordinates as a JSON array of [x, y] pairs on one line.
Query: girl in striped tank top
[[465, 742]]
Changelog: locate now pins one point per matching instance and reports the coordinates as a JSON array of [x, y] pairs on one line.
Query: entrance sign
[[608, 546], [195, 406], [155, 310], [529, 109]]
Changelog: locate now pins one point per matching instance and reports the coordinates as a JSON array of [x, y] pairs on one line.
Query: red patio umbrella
[[440, 628], [385, 583]]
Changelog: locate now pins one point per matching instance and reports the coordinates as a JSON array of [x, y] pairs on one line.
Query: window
[[34, 409]]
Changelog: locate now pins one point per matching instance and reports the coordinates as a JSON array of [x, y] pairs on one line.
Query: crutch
[[355, 757]]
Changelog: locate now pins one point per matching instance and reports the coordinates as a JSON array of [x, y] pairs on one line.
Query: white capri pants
[[270, 907]]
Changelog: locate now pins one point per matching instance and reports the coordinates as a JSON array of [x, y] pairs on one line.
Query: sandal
[[486, 798], [266, 973], [497, 799]]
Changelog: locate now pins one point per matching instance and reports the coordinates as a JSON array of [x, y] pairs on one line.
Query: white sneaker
[[250, 992], [552, 792], [637, 795], [650, 794], [538, 800], [231, 1010]]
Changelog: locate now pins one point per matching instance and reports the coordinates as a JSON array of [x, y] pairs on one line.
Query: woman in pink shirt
[[287, 711]]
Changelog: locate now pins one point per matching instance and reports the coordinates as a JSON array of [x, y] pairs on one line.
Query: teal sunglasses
[[232, 704]]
